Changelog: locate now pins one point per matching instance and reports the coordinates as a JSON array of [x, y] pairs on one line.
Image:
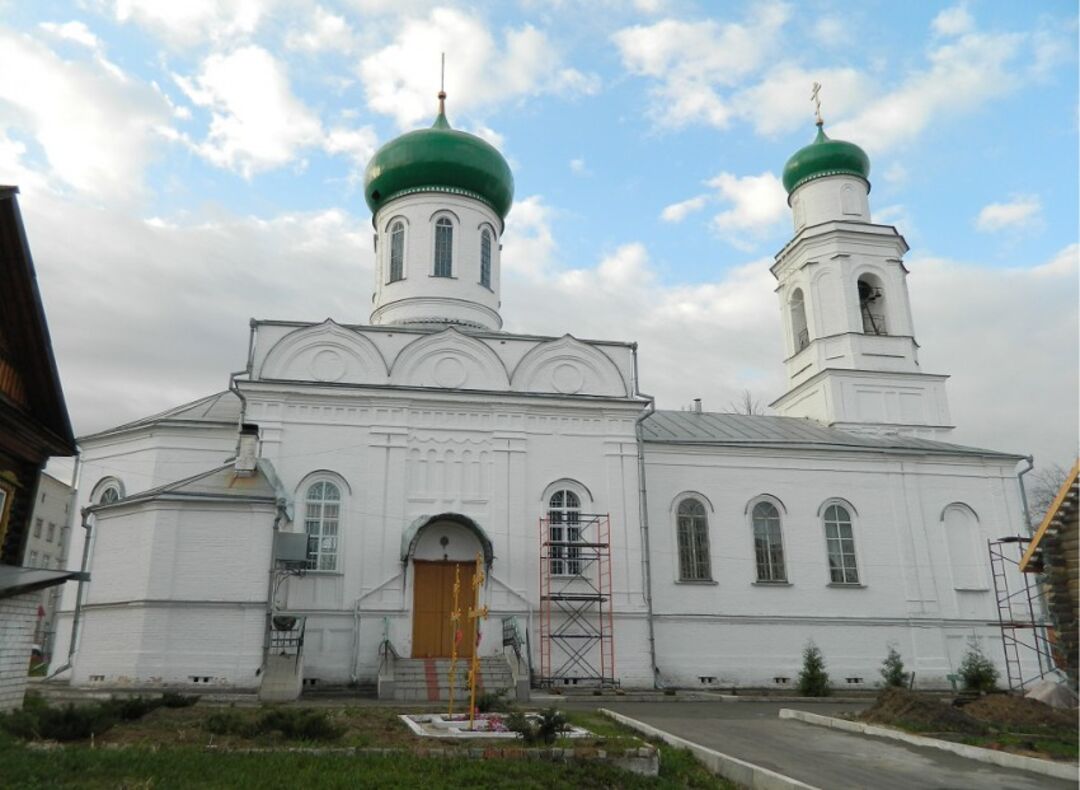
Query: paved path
[[825, 758]]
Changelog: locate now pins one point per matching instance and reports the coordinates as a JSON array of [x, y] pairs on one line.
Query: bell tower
[[852, 360]]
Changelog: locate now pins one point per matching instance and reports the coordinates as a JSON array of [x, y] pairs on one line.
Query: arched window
[[397, 251], [840, 543], [485, 258], [692, 531], [768, 543], [444, 247], [107, 491], [564, 529], [872, 305], [966, 547], [799, 331], [322, 514]]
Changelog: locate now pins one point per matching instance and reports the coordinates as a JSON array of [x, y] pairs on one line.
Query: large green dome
[[439, 159], [825, 157]]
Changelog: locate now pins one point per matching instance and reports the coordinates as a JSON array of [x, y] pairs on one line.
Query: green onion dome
[[825, 157], [439, 159]]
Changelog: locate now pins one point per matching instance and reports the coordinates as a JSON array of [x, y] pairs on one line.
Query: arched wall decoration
[[411, 536], [766, 497], [568, 367], [325, 352], [449, 359], [691, 495], [835, 500], [109, 482]]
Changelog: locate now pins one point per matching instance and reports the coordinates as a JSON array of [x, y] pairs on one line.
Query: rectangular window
[[444, 248], [37, 527], [50, 535], [842, 568]]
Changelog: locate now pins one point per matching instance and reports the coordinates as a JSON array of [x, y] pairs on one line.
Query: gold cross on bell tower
[[816, 99]]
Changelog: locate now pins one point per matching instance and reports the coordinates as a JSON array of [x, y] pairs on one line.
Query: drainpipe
[[643, 504], [86, 513], [1023, 494]]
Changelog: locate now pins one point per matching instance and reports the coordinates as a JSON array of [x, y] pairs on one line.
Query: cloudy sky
[[185, 166]]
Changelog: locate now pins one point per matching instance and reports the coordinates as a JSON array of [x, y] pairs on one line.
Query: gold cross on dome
[[816, 99]]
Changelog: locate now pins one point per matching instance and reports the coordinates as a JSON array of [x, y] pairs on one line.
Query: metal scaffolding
[[1021, 612], [577, 645]]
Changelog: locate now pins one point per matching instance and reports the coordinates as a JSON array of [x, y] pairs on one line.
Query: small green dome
[[825, 157], [439, 159]]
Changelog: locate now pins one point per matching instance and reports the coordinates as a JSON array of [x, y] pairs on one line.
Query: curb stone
[[738, 771], [1003, 759]]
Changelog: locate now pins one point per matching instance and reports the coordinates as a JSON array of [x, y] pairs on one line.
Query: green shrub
[[299, 724], [813, 680], [492, 702], [892, 669], [228, 722], [552, 723], [170, 699], [130, 708], [69, 723], [977, 671]]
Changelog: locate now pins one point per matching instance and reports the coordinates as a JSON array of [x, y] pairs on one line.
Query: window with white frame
[[768, 543], [485, 258], [397, 251], [322, 517], [840, 542], [444, 247], [692, 533], [564, 529]]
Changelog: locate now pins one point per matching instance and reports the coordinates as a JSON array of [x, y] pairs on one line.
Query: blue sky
[[186, 166]]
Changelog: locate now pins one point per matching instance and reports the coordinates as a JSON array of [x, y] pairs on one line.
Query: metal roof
[[221, 408], [744, 430]]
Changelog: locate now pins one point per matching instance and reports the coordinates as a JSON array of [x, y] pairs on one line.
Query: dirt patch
[[1016, 712], [915, 711]]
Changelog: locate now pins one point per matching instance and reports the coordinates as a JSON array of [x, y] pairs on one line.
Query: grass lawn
[[172, 748]]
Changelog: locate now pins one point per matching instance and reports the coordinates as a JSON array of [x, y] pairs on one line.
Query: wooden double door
[[433, 600]]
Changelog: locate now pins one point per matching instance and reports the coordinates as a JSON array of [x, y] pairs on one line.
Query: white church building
[[333, 491]]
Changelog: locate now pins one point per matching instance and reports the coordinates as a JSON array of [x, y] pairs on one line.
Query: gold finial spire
[[816, 99], [442, 86]]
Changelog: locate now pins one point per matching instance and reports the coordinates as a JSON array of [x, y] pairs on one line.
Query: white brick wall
[[17, 615]]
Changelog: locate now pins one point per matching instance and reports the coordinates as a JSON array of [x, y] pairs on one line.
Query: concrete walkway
[[828, 759]]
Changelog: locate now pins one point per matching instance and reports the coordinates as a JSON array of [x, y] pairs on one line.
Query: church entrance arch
[[442, 548]]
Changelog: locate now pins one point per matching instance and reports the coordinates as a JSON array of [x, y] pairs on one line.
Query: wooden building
[[34, 425]]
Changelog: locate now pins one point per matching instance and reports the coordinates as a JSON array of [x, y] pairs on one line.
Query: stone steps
[[426, 680]]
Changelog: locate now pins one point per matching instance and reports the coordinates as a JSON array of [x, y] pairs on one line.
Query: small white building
[[402, 449]]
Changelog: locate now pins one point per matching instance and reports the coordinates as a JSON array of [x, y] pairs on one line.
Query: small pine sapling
[[892, 669], [813, 680], [977, 671]]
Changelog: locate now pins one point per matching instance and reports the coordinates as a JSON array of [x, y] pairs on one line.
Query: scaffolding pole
[[1021, 612], [577, 646]]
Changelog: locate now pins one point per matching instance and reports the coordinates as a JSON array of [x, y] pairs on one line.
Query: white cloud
[[759, 203], [953, 21], [183, 23], [401, 79], [168, 300], [780, 101], [1023, 211], [691, 61], [328, 32], [677, 212], [256, 121], [97, 127], [964, 74], [1011, 333], [357, 144], [74, 31]]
